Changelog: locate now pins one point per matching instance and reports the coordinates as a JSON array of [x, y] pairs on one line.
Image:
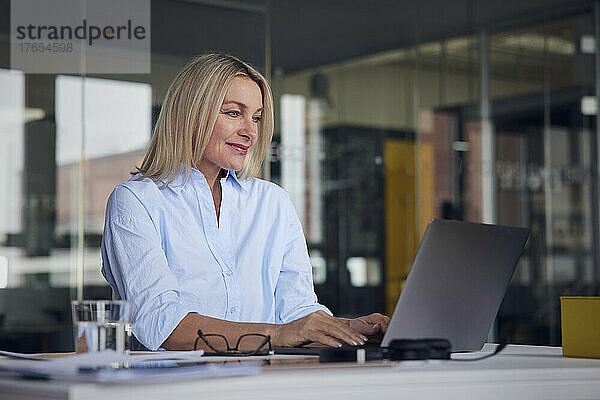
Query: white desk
[[520, 372]]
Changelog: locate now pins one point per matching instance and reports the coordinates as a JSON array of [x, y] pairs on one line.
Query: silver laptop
[[455, 286], [457, 282]]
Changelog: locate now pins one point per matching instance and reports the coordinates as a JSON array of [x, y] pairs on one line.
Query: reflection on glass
[[12, 119], [319, 267], [3, 272], [117, 117], [293, 151], [117, 125], [363, 271]]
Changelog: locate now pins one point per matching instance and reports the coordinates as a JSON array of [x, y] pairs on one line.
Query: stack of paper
[[109, 366]]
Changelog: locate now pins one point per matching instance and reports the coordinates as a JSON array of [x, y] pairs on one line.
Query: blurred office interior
[[388, 113]]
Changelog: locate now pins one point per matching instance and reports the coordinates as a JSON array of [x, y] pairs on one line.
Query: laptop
[[455, 286]]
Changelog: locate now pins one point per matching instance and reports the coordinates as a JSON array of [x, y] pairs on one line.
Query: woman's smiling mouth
[[239, 148]]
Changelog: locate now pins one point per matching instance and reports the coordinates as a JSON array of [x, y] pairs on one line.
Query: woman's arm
[[185, 334], [317, 327], [136, 267]]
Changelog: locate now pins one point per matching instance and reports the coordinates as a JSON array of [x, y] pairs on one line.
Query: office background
[[388, 113]]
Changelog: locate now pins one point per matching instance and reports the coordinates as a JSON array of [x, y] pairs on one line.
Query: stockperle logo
[[74, 36]]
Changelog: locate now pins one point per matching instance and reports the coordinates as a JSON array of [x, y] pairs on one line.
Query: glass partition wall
[[545, 168], [497, 126], [66, 140], [381, 176], [490, 125]]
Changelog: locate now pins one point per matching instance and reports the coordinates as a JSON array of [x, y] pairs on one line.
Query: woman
[[195, 242]]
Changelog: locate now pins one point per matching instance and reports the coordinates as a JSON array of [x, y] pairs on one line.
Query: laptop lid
[[456, 284]]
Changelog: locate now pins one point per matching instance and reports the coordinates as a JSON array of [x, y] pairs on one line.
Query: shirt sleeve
[[136, 267], [294, 293]]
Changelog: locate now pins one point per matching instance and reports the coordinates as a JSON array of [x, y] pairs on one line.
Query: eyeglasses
[[250, 344]]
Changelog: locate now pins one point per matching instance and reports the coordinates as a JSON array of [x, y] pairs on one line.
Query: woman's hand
[[316, 327], [372, 325]]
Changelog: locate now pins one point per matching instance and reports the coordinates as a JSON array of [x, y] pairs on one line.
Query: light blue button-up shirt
[[165, 251]]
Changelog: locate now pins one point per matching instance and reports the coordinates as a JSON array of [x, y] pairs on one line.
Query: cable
[[500, 347]]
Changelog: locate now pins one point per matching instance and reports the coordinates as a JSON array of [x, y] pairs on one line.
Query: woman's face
[[236, 128]]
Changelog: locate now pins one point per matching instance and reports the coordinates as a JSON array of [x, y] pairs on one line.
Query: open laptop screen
[[457, 282]]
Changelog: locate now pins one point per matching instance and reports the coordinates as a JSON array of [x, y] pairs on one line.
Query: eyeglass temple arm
[[205, 340]]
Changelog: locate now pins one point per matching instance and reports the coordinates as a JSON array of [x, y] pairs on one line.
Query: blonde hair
[[189, 112]]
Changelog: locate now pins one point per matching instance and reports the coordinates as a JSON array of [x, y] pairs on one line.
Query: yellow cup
[[580, 324]]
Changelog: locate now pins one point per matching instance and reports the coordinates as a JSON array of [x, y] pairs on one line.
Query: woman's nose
[[250, 129]]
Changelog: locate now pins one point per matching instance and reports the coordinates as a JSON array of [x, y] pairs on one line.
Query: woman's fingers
[[340, 331], [364, 327], [325, 340], [330, 331], [332, 326], [371, 324], [384, 320], [386, 323]]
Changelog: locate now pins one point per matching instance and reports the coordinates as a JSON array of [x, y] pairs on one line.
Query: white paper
[[137, 375], [109, 366], [23, 356]]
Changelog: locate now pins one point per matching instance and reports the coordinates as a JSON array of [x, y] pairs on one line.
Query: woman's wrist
[[272, 330]]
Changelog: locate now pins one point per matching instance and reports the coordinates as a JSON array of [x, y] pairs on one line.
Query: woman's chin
[[232, 167]]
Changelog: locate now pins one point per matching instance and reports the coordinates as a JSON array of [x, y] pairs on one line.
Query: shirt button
[[228, 273], [232, 310]]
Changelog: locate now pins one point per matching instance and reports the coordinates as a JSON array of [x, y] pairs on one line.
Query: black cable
[[500, 347]]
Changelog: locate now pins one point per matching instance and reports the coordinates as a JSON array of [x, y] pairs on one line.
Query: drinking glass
[[102, 325]]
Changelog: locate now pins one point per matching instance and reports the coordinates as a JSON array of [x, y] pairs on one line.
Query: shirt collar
[[177, 183], [180, 180], [240, 183]]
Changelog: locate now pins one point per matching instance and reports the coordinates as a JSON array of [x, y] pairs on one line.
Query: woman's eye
[[232, 113], [257, 119]]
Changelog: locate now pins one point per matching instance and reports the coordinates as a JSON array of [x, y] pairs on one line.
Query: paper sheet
[[109, 366]]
